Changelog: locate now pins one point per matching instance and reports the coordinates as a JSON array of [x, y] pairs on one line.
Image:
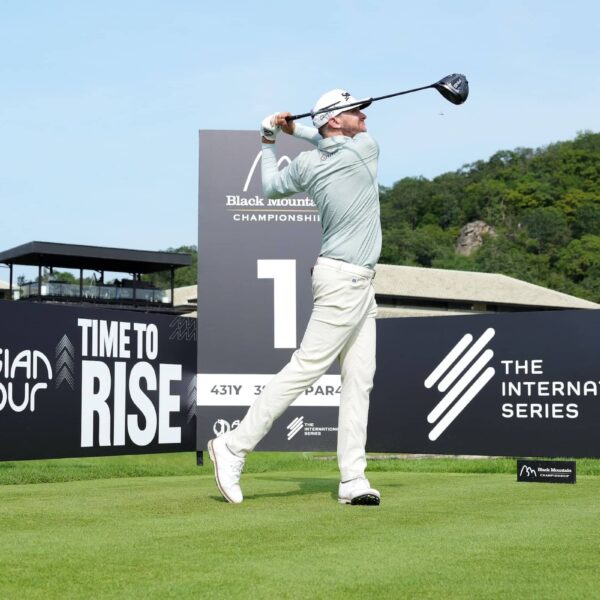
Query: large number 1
[[283, 274]]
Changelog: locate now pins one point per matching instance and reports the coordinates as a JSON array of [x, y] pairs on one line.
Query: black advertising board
[[80, 381], [254, 293], [519, 384]]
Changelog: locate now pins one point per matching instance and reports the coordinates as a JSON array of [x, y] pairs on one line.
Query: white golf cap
[[336, 99]]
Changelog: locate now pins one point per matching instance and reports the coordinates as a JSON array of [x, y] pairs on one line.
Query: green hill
[[544, 205]]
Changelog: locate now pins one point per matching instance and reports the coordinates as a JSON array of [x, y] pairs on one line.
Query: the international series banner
[[520, 384]]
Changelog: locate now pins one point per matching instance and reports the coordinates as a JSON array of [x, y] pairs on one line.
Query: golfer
[[340, 174]]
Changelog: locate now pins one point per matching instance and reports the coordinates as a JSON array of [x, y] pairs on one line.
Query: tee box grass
[[155, 527]]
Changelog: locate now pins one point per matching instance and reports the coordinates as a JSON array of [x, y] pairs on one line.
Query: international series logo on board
[[527, 389], [307, 428]]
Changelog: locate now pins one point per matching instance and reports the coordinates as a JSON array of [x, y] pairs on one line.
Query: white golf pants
[[342, 325]]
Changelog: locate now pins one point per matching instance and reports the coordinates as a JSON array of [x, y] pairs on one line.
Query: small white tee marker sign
[[546, 471]]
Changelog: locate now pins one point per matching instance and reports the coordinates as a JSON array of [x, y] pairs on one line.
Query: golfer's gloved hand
[[268, 128]]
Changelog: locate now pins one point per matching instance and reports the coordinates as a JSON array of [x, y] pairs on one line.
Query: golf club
[[455, 88]]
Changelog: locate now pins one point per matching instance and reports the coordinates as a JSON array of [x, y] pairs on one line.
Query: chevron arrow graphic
[[65, 363]]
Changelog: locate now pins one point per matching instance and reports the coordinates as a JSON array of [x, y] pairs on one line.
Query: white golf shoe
[[358, 491], [228, 469]]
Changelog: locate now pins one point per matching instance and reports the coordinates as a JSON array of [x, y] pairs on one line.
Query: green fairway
[[435, 535]]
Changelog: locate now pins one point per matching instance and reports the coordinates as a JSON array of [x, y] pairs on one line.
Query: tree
[[549, 227], [184, 276], [581, 258], [586, 219]]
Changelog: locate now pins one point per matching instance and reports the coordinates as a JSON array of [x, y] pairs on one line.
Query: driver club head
[[455, 88]]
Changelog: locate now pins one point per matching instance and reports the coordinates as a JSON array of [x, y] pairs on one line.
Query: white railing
[[102, 293]]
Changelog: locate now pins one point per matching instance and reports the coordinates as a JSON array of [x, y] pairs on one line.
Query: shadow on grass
[[306, 486]]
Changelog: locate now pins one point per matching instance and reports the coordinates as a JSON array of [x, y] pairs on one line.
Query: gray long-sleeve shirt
[[340, 175]]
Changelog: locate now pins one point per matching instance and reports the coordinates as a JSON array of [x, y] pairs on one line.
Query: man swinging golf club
[[340, 174]]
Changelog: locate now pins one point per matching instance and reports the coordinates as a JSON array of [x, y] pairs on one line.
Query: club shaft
[[425, 87], [346, 106]]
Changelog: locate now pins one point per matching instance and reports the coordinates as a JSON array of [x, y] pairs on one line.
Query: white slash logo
[[284, 158], [460, 379], [294, 427]]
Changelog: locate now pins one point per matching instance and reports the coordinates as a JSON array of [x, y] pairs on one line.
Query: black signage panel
[[254, 293], [80, 381], [519, 384]]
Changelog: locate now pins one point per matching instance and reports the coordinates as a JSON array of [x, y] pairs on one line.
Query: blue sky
[[101, 102]]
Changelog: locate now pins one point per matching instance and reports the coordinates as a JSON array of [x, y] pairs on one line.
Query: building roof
[[97, 258], [424, 292], [186, 296], [470, 287]]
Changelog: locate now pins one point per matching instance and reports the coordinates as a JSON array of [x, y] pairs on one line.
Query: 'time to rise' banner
[[80, 381]]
